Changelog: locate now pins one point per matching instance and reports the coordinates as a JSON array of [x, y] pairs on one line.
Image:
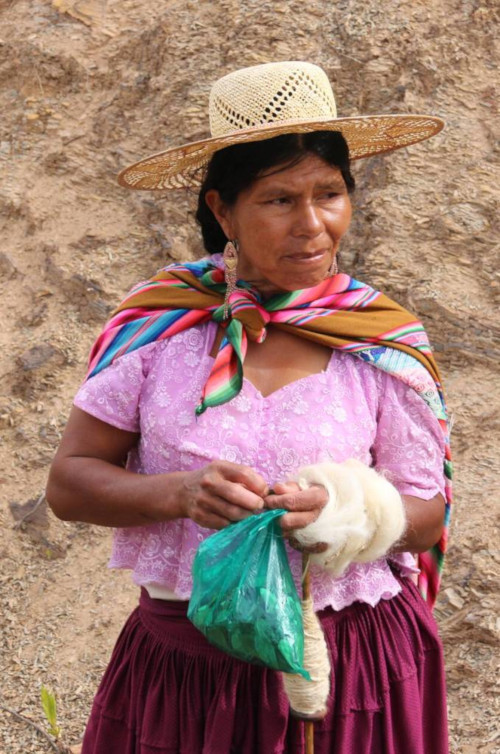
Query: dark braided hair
[[233, 169]]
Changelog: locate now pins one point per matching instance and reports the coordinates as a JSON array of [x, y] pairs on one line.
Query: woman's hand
[[304, 506], [221, 493], [88, 482]]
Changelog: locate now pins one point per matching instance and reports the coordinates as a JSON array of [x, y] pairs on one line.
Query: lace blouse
[[350, 410]]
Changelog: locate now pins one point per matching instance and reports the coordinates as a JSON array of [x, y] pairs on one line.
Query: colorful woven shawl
[[340, 313]]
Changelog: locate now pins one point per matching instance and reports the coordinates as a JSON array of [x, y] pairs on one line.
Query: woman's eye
[[279, 200]]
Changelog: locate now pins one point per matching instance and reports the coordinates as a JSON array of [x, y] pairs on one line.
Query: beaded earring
[[230, 257], [334, 267]]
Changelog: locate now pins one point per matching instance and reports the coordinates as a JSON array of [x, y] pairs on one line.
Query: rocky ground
[[87, 86]]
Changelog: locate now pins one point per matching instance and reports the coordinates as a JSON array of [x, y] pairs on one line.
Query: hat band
[[259, 125]]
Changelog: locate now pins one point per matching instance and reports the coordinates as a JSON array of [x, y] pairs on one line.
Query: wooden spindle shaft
[[309, 736], [306, 593]]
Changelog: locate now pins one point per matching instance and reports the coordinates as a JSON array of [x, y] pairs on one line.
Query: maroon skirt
[[167, 691]]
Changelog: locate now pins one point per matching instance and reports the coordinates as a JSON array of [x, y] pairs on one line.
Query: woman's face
[[288, 224]]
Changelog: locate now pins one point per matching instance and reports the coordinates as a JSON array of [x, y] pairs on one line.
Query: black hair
[[233, 169]]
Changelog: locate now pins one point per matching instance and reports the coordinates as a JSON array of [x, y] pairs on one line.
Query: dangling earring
[[230, 257], [334, 267]]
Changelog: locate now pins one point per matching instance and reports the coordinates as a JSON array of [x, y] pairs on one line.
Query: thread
[[308, 699]]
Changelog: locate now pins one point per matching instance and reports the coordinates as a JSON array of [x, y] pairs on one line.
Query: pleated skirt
[[167, 691]]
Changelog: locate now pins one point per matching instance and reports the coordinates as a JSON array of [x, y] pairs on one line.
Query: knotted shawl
[[340, 312]]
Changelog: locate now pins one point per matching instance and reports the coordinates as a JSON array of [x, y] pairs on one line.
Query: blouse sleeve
[[113, 395], [409, 445]]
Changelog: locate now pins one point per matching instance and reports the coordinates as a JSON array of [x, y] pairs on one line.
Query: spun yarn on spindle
[[308, 699]]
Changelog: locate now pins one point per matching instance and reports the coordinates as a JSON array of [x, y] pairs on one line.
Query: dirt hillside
[[87, 86]]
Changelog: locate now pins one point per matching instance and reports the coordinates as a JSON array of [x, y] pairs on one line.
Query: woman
[[296, 364]]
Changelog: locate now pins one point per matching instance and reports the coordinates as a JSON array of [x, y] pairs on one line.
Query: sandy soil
[[87, 86]]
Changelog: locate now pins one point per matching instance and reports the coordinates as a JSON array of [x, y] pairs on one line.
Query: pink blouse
[[350, 410]]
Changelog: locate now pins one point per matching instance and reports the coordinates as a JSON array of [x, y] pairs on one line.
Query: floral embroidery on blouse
[[351, 410]]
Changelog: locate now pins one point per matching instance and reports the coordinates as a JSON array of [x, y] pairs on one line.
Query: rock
[[88, 242], [86, 295], [32, 512], [454, 599], [8, 270], [36, 357], [466, 216], [56, 163]]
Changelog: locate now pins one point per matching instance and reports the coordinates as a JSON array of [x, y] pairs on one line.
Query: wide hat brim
[[183, 167]]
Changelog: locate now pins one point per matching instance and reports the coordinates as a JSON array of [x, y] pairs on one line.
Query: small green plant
[[50, 710]]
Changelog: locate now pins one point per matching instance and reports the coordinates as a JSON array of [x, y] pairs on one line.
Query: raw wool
[[363, 517], [308, 699], [385, 511], [342, 524]]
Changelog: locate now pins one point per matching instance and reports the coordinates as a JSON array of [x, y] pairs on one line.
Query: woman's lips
[[307, 257]]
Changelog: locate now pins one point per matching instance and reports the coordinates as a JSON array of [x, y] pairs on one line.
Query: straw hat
[[267, 100]]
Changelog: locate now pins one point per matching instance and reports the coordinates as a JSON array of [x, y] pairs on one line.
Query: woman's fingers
[[233, 492], [243, 475], [304, 506], [281, 488], [291, 521], [213, 512], [221, 493], [222, 508], [297, 500], [225, 492]]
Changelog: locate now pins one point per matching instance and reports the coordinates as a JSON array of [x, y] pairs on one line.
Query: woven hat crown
[[270, 93]]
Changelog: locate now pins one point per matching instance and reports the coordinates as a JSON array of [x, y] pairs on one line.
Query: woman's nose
[[308, 221]]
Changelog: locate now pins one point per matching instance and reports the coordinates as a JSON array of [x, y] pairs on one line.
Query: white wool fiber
[[384, 508], [363, 517], [342, 524]]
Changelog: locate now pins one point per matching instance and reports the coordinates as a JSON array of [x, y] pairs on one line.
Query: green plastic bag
[[244, 598]]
